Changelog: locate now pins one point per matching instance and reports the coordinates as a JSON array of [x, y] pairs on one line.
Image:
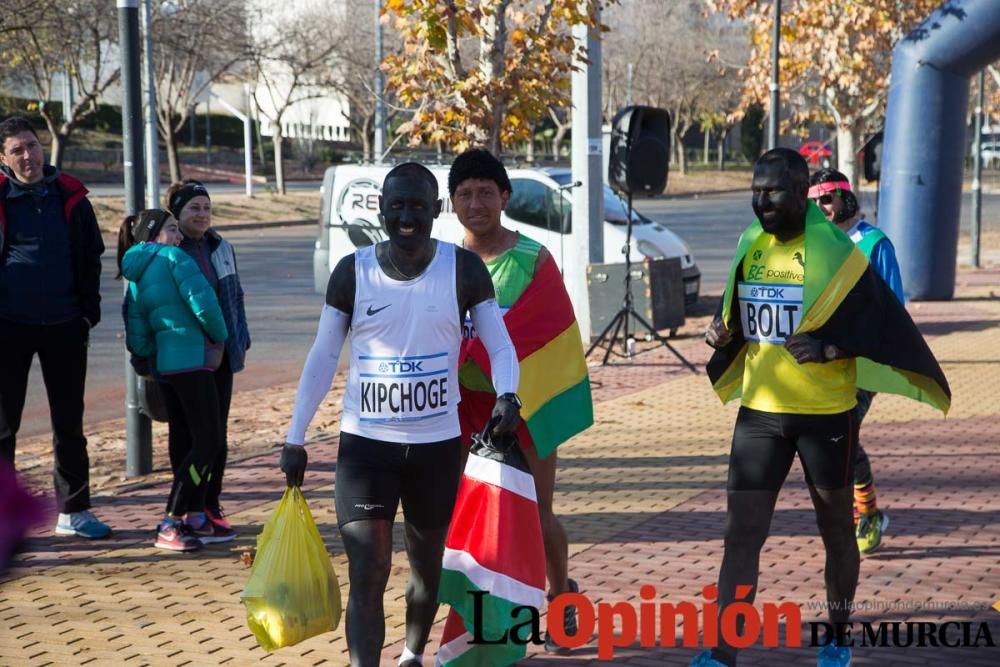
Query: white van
[[540, 207]]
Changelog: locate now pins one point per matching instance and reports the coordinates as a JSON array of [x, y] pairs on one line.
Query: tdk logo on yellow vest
[[769, 313], [761, 292]]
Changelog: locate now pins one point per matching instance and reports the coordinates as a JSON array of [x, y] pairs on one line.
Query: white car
[[650, 239], [539, 206]]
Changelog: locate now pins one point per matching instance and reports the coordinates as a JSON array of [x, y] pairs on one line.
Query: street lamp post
[[152, 141], [379, 147], [138, 428], [772, 121], [586, 243]]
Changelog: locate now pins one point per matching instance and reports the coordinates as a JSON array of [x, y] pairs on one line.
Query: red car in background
[[816, 153]]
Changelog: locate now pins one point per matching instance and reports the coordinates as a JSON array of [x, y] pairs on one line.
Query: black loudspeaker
[[640, 151], [657, 293], [873, 157]]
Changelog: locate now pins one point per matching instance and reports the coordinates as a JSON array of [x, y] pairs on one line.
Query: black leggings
[[195, 404], [372, 478], [180, 440], [862, 466], [766, 443], [764, 446]]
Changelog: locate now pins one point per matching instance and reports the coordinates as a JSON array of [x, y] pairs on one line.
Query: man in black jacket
[[50, 271]]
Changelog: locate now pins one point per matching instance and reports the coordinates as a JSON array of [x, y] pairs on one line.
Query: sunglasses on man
[[825, 200]]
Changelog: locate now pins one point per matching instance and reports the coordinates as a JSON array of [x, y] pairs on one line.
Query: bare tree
[[197, 43], [290, 58], [563, 121], [354, 71], [675, 53], [45, 43], [19, 15]]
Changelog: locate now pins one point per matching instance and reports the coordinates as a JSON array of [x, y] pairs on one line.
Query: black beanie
[[179, 199], [148, 224]]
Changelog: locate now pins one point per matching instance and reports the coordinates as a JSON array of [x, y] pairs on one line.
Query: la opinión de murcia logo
[[742, 624]]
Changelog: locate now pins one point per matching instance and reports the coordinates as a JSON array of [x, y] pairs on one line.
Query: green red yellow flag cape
[[554, 387], [847, 304]]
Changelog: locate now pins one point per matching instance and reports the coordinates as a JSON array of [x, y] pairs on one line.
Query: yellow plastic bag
[[292, 593]]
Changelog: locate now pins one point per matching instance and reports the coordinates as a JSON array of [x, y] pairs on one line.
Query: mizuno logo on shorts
[[368, 507]]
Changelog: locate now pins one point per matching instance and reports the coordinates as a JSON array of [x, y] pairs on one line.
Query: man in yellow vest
[[804, 321]]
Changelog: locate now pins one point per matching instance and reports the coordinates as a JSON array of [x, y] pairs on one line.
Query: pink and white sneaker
[[173, 535]]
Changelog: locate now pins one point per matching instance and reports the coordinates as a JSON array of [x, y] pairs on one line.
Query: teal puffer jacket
[[172, 311]]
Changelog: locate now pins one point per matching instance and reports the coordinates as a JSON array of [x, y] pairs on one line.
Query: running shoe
[[832, 655], [569, 624], [218, 517], [175, 535], [82, 524], [870, 530], [207, 530]]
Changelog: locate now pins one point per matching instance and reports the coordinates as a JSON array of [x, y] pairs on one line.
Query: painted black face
[[778, 204], [408, 209]]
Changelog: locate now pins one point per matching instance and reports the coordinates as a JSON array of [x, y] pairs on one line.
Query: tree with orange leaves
[[483, 72], [835, 59]]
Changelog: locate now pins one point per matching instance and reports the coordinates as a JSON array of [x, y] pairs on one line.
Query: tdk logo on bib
[[760, 292], [770, 313], [403, 388], [400, 366]]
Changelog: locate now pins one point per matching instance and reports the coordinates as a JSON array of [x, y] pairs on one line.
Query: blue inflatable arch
[[924, 150]]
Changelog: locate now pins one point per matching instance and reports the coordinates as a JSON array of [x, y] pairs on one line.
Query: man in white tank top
[[401, 302]]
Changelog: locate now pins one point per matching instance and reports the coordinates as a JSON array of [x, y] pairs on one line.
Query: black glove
[[293, 463], [805, 349], [506, 416], [717, 335]]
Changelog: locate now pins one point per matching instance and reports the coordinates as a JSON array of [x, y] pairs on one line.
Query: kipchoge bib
[[405, 339]]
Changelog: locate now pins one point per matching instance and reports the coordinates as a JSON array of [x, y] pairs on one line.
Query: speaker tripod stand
[[620, 322]]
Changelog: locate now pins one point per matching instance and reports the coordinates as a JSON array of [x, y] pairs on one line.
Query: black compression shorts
[[373, 476], [765, 444]]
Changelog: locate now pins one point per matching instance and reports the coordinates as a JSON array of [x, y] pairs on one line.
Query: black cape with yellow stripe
[[847, 304]]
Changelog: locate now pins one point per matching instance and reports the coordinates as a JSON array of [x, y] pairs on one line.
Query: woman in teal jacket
[[189, 202], [174, 318]]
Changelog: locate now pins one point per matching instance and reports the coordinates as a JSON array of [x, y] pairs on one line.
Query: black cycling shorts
[[765, 444], [373, 476]]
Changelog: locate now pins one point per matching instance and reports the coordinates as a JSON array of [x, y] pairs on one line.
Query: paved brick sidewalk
[[642, 496]]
